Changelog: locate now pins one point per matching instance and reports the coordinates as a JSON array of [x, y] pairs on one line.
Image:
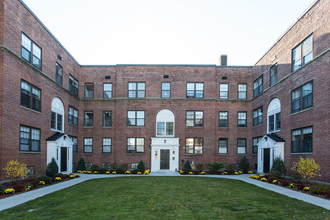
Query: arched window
[[57, 115], [165, 123], [274, 116]]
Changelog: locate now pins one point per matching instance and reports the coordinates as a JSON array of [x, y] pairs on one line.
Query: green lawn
[[165, 198]]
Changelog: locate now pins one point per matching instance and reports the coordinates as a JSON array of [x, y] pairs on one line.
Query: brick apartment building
[[53, 107]]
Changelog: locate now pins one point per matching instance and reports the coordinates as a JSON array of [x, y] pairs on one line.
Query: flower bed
[[134, 172], [10, 188], [226, 172], [319, 190]]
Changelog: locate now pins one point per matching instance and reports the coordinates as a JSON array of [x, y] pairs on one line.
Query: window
[[31, 52], [88, 122], [223, 91], [73, 85], [106, 147], [194, 118], [223, 119], [135, 145], [106, 166], [29, 139], [223, 146], [88, 145], [57, 115], [134, 166], [241, 119], [107, 119], [164, 128], [165, 123], [107, 90], [302, 98], [302, 140], [257, 117], [88, 165], [242, 91], [195, 90], [31, 170], [194, 145], [89, 90], [303, 53], [255, 146], [136, 90], [73, 116], [59, 74], [166, 90], [241, 145], [135, 118], [30, 96], [75, 144], [257, 87], [273, 75], [274, 116]]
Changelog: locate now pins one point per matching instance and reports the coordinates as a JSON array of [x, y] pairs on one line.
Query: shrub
[[327, 194], [46, 179], [95, 168], [278, 167], [124, 166], [119, 170], [301, 186], [244, 164], [61, 175], [199, 167], [18, 188], [230, 166], [319, 189], [52, 168], [213, 171], [187, 167], [102, 170], [16, 170], [284, 182], [141, 167], [114, 166], [275, 174], [216, 166], [2, 189], [81, 165], [307, 168]]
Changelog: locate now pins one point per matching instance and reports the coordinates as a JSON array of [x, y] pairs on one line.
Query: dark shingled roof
[[275, 137], [55, 136]]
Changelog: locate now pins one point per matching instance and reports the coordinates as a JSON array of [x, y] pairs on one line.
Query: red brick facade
[[16, 18]]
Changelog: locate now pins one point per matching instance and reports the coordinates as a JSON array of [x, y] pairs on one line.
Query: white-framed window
[[258, 86], [195, 90], [194, 118], [57, 115], [106, 146], [75, 144], [107, 90], [254, 144], [223, 91], [257, 117], [242, 89], [273, 75], [135, 118], [31, 52], [73, 116], [136, 90], [241, 145], [88, 145], [302, 140], [194, 145], [302, 97], [29, 139], [165, 123], [274, 116], [73, 85], [223, 145], [241, 119], [166, 90], [303, 53], [135, 145]]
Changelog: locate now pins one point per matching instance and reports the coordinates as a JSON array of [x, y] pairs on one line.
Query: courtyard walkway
[[27, 196]]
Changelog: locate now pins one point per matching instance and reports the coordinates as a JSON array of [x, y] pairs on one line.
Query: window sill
[[224, 127], [196, 127], [193, 154], [221, 154], [30, 109], [134, 153], [56, 130], [242, 127], [135, 126], [106, 152], [301, 111], [256, 125], [88, 127], [106, 126], [29, 152], [72, 124], [298, 153], [87, 152]]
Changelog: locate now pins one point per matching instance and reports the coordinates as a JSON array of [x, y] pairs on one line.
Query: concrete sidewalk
[[31, 195]]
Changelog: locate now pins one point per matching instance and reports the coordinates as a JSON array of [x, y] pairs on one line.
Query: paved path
[[27, 196]]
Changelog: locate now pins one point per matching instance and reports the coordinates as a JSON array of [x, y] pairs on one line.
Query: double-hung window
[[135, 118], [59, 74], [254, 144], [135, 145], [136, 90], [73, 85], [107, 90], [89, 90], [242, 91], [75, 144], [303, 53], [302, 140], [223, 91], [106, 145], [194, 145], [30, 96], [241, 145], [31, 52], [73, 115], [223, 119], [257, 117], [302, 97], [29, 139], [88, 118], [241, 119], [165, 128], [56, 121], [257, 87], [273, 75], [194, 118], [223, 146], [88, 145], [166, 89], [107, 119], [195, 90]]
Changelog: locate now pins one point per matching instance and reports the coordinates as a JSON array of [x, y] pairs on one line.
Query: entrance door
[[266, 159], [164, 159], [64, 159]]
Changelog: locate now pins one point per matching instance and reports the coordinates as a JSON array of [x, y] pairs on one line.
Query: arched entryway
[[165, 146]]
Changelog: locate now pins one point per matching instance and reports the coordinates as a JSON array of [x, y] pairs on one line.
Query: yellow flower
[[89, 172], [79, 171], [58, 178], [146, 172], [139, 173], [77, 175], [292, 185], [71, 176], [203, 173], [250, 172], [127, 172], [236, 173], [114, 172], [275, 181], [256, 177], [9, 190], [224, 173], [42, 182], [240, 172], [264, 179], [190, 173], [107, 172], [251, 176], [306, 188]]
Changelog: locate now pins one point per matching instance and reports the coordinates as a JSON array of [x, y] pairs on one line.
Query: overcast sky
[[167, 31]]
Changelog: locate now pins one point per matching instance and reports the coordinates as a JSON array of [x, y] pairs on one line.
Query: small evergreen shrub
[[216, 166], [81, 165], [275, 174], [199, 167], [46, 179], [244, 164], [102, 170], [95, 168], [2, 189], [119, 170], [319, 189], [187, 167], [52, 168], [284, 182], [141, 167], [61, 175], [278, 167]]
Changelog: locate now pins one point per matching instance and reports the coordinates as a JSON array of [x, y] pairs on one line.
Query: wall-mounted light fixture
[[173, 155], [156, 153]]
